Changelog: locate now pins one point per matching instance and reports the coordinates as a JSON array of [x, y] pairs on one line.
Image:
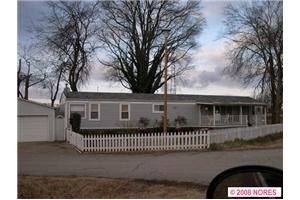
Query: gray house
[[119, 110]]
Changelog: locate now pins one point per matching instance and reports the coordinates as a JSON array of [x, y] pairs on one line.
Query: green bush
[[75, 121]]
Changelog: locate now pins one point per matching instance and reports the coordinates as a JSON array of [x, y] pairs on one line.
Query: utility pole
[[172, 87], [165, 118]]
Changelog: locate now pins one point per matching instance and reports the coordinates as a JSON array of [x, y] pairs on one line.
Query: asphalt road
[[60, 159]]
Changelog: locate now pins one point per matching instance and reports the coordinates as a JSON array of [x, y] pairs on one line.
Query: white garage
[[36, 122]]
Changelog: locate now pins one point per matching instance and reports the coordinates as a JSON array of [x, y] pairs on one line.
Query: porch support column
[[255, 115], [200, 123], [241, 115], [265, 111], [214, 119]]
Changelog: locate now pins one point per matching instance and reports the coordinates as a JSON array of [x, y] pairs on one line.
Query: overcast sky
[[209, 61]]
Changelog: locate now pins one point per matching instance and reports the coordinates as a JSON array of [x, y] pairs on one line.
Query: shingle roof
[[209, 99]]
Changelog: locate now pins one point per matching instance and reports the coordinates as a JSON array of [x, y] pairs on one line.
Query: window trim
[[120, 111], [78, 103], [99, 114], [157, 104]]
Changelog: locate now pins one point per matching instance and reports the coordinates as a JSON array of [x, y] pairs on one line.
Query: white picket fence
[[246, 133], [139, 141], [163, 142]]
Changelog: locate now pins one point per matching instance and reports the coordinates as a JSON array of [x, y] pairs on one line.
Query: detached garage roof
[[201, 99], [36, 103]]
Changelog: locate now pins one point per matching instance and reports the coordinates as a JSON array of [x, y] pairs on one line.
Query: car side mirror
[[246, 176]]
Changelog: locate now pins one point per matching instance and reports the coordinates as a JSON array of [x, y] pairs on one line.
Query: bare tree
[[256, 47], [20, 78], [132, 35], [52, 83], [32, 73], [69, 29]]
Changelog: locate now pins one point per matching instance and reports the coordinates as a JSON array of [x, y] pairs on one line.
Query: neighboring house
[[119, 110], [36, 121]]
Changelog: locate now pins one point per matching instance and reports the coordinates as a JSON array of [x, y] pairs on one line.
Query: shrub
[[75, 121], [135, 130], [144, 122], [180, 121]]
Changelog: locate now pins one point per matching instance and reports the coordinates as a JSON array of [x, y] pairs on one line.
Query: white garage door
[[33, 128]]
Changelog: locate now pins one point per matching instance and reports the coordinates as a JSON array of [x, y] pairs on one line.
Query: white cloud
[[210, 56], [103, 86], [211, 90]]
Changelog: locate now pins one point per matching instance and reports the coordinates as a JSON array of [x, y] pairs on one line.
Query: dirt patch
[[90, 187]]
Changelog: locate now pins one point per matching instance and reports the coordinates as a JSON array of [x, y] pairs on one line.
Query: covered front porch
[[214, 115]]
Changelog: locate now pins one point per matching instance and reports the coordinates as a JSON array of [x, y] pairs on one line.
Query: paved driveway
[[55, 159]]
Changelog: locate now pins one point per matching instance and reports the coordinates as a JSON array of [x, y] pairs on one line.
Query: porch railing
[[223, 120]]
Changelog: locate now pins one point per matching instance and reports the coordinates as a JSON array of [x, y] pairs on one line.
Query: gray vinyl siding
[[189, 111], [110, 115]]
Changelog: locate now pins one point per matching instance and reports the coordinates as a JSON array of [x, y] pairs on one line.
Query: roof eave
[[37, 103], [232, 103]]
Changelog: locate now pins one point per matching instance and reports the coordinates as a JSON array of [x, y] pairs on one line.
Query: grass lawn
[[90, 187], [264, 142]]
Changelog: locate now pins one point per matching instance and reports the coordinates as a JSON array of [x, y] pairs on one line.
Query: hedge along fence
[[137, 130], [140, 141]]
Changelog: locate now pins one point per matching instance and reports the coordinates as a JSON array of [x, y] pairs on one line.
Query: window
[[78, 108], [94, 111], [124, 112], [157, 108]]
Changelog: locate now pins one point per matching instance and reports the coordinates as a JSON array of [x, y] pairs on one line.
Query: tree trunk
[[73, 87], [52, 102], [276, 112], [280, 92], [53, 97], [72, 82], [19, 81], [26, 87], [275, 95]]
